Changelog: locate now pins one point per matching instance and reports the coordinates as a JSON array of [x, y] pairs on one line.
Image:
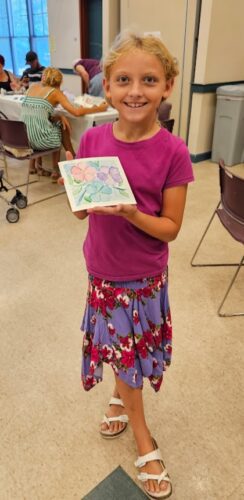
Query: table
[[10, 105]]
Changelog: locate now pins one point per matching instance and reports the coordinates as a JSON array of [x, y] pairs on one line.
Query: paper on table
[[88, 101], [92, 182]]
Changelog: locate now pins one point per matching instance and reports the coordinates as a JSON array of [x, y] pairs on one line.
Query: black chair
[[164, 116], [13, 135], [230, 211]]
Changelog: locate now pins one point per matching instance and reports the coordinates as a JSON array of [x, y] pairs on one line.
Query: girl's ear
[[168, 88], [106, 88]]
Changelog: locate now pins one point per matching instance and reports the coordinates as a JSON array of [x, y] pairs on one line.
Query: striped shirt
[[36, 113]]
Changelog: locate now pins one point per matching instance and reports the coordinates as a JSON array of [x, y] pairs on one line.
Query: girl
[[127, 320], [46, 130]]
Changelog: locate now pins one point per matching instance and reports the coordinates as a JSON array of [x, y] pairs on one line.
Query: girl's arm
[[61, 99], [166, 226]]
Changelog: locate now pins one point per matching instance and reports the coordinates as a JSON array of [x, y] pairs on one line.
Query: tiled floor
[[50, 447]]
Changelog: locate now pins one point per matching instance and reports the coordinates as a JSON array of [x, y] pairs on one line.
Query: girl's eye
[[122, 79], [149, 79]]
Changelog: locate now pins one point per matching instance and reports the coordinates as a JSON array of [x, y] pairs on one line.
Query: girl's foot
[[55, 176], [115, 420], [162, 489]]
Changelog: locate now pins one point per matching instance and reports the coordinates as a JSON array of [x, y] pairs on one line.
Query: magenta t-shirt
[[114, 249]]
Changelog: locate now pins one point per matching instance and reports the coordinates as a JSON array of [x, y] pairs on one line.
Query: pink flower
[[82, 172]]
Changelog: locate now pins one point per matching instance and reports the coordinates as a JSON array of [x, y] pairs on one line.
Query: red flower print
[[168, 348], [147, 291], [111, 329], [87, 346], [128, 358], [107, 352], [156, 382], [135, 317], [93, 319], [148, 337], [155, 363], [126, 342], [141, 347], [95, 354], [110, 302]]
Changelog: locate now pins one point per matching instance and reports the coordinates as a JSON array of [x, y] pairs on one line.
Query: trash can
[[228, 138]]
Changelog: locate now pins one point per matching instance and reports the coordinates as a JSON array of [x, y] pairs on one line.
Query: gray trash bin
[[228, 138]]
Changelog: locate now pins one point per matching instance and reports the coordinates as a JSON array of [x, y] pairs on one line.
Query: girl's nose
[[135, 88]]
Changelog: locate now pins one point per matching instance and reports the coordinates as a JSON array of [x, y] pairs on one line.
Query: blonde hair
[[129, 40], [52, 77]]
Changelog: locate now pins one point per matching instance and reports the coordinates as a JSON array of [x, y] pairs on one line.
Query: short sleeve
[[180, 170]]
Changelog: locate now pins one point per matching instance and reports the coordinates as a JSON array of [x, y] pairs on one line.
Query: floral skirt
[[128, 326]]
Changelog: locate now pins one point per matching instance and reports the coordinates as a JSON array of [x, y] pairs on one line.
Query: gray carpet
[[117, 486]]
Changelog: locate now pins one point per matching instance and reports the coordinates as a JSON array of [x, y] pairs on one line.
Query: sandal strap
[[144, 476], [116, 401], [119, 418], [149, 457]]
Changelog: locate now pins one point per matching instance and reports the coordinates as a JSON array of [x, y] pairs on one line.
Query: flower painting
[[91, 182]]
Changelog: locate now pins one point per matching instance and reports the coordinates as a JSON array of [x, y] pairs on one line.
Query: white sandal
[[120, 418], [144, 476]]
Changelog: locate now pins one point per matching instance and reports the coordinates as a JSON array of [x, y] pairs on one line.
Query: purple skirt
[[127, 325]]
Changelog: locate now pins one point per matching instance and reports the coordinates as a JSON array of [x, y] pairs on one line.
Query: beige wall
[[220, 58], [175, 20], [220, 55], [111, 22]]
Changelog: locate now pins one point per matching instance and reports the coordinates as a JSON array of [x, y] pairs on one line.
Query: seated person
[[32, 74], [91, 74], [8, 81], [45, 129]]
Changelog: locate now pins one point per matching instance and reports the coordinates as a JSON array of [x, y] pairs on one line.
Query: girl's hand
[[125, 211], [68, 156]]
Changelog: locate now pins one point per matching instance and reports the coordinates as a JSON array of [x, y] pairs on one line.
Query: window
[[23, 27]]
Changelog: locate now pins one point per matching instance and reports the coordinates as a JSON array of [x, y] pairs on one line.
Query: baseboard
[[201, 157]]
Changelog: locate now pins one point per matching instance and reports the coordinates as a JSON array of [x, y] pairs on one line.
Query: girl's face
[[136, 86]]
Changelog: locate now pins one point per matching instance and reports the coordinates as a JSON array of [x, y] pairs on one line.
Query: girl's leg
[[66, 141], [55, 158], [132, 399], [114, 411]]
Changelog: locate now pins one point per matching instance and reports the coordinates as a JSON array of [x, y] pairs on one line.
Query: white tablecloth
[[10, 105]]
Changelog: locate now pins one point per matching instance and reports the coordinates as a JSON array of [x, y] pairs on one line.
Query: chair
[[13, 135], [164, 116], [230, 211], [5, 164]]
